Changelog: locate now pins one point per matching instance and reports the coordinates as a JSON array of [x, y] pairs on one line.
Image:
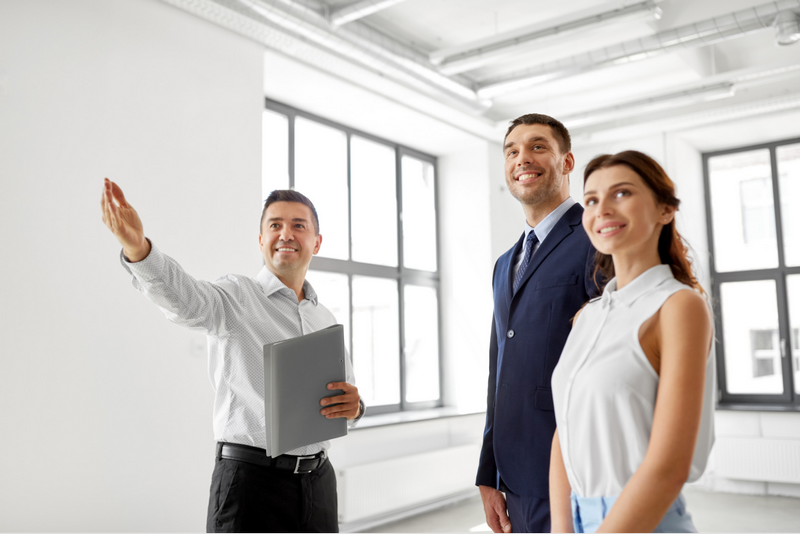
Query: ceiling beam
[[359, 9], [476, 54]]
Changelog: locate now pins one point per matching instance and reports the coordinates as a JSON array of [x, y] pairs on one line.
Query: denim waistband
[[588, 513]]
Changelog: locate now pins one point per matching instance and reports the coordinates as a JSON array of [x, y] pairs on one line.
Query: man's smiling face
[[288, 238], [535, 168]]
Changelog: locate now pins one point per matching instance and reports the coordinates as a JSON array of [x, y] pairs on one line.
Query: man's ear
[[319, 242], [569, 163]]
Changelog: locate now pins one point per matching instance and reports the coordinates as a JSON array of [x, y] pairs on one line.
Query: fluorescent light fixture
[[787, 28], [479, 53], [648, 105]]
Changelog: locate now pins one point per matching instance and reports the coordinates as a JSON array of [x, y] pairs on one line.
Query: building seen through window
[[754, 234]]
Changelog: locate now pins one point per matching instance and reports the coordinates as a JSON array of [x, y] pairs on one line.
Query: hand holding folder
[[297, 373]]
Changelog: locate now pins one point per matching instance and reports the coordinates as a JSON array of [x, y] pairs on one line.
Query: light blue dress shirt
[[542, 230]]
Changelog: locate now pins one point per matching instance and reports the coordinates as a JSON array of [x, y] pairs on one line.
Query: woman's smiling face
[[621, 212]]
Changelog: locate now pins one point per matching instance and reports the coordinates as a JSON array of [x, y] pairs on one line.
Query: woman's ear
[[667, 214]]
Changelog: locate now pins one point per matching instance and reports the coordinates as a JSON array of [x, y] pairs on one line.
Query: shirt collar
[[642, 284], [548, 223], [271, 284]]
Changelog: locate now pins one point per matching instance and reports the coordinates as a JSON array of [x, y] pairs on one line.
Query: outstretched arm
[[684, 326], [184, 300], [124, 222]]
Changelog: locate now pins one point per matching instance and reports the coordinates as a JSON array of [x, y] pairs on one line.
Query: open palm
[[123, 221]]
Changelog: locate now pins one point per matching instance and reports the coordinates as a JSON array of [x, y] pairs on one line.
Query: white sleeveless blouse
[[604, 388]]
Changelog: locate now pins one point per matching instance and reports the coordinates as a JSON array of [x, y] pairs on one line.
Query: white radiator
[[377, 488], [762, 459]]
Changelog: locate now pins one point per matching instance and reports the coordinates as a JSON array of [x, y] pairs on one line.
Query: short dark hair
[[288, 195], [560, 131]]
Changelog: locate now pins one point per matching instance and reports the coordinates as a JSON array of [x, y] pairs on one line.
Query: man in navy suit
[[539, 285]]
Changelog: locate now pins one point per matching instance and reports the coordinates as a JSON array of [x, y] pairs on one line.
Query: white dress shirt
[[240, 315], [604, 388], [542, 230]]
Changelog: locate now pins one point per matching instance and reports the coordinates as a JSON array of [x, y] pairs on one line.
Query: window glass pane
[[743, 211], [751, 338], [376, 340], [421, 343], [793, 290], [374, 215], [320, 173], [419, 215], [274, 153], [789, 182], [333, 292]]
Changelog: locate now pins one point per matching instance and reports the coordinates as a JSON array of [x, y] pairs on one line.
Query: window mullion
[[783, 298], [784, 338], [398, 177], [776, 194]]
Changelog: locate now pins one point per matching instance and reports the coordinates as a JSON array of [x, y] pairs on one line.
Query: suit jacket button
[[510, 333]]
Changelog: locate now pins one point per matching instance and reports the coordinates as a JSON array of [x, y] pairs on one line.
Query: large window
[[377, 270], [754, 235]]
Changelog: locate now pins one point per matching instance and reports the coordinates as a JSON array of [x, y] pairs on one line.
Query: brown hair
[[560, 131], [287, 195], [672, 248]]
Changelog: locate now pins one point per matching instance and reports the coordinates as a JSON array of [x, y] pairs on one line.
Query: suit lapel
[[563, 228]]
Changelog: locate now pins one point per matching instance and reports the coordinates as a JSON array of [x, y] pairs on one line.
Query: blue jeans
[[589, 512]]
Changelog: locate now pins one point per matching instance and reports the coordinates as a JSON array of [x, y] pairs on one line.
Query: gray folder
[[297, 372]]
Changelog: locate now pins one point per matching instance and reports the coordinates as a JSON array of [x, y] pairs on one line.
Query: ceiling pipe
[[648, 105], [397, 64], [360, 9], [709, 31], [475, 55]]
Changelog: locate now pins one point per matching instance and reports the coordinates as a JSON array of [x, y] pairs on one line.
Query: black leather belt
[[299, 465]]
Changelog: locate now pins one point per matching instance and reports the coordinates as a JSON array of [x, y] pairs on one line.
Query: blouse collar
[[642, 284]]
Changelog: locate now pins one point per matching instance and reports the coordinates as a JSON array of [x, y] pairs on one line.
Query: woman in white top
[[633, 390]]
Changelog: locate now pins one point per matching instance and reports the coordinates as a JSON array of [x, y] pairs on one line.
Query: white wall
[[106, 406], [466, 273]]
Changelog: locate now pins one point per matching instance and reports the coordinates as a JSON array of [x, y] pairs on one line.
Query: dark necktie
[[530, 241]]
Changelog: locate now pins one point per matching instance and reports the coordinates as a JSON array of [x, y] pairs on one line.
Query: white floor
[[712, 512]]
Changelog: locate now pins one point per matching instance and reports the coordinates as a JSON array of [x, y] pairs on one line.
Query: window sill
[[399, 418], [741, 407]]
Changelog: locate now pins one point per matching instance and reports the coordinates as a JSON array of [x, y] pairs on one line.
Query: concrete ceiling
[[429, 26], [450, 59]]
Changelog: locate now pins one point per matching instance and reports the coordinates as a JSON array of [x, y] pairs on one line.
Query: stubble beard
[[540, 195]]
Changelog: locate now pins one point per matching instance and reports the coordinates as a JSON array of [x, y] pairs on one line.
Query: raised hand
[[124, 222]]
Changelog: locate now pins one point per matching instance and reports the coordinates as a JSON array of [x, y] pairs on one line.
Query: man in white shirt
[[250, 490]]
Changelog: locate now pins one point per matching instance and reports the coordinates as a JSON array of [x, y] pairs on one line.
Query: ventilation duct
[[362, 46], [477, 54], [360, 9], [649, 105], [701, 33]]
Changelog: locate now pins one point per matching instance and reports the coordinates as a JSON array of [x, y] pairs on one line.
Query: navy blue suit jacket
[[529, 330]]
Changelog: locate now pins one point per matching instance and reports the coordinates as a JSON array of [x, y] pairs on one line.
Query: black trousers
[[251, 498]]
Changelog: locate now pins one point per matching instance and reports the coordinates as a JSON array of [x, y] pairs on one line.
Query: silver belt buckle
[[297, 465]]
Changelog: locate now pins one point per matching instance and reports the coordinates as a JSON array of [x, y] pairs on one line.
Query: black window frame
[[789, 400], [401, 274]]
